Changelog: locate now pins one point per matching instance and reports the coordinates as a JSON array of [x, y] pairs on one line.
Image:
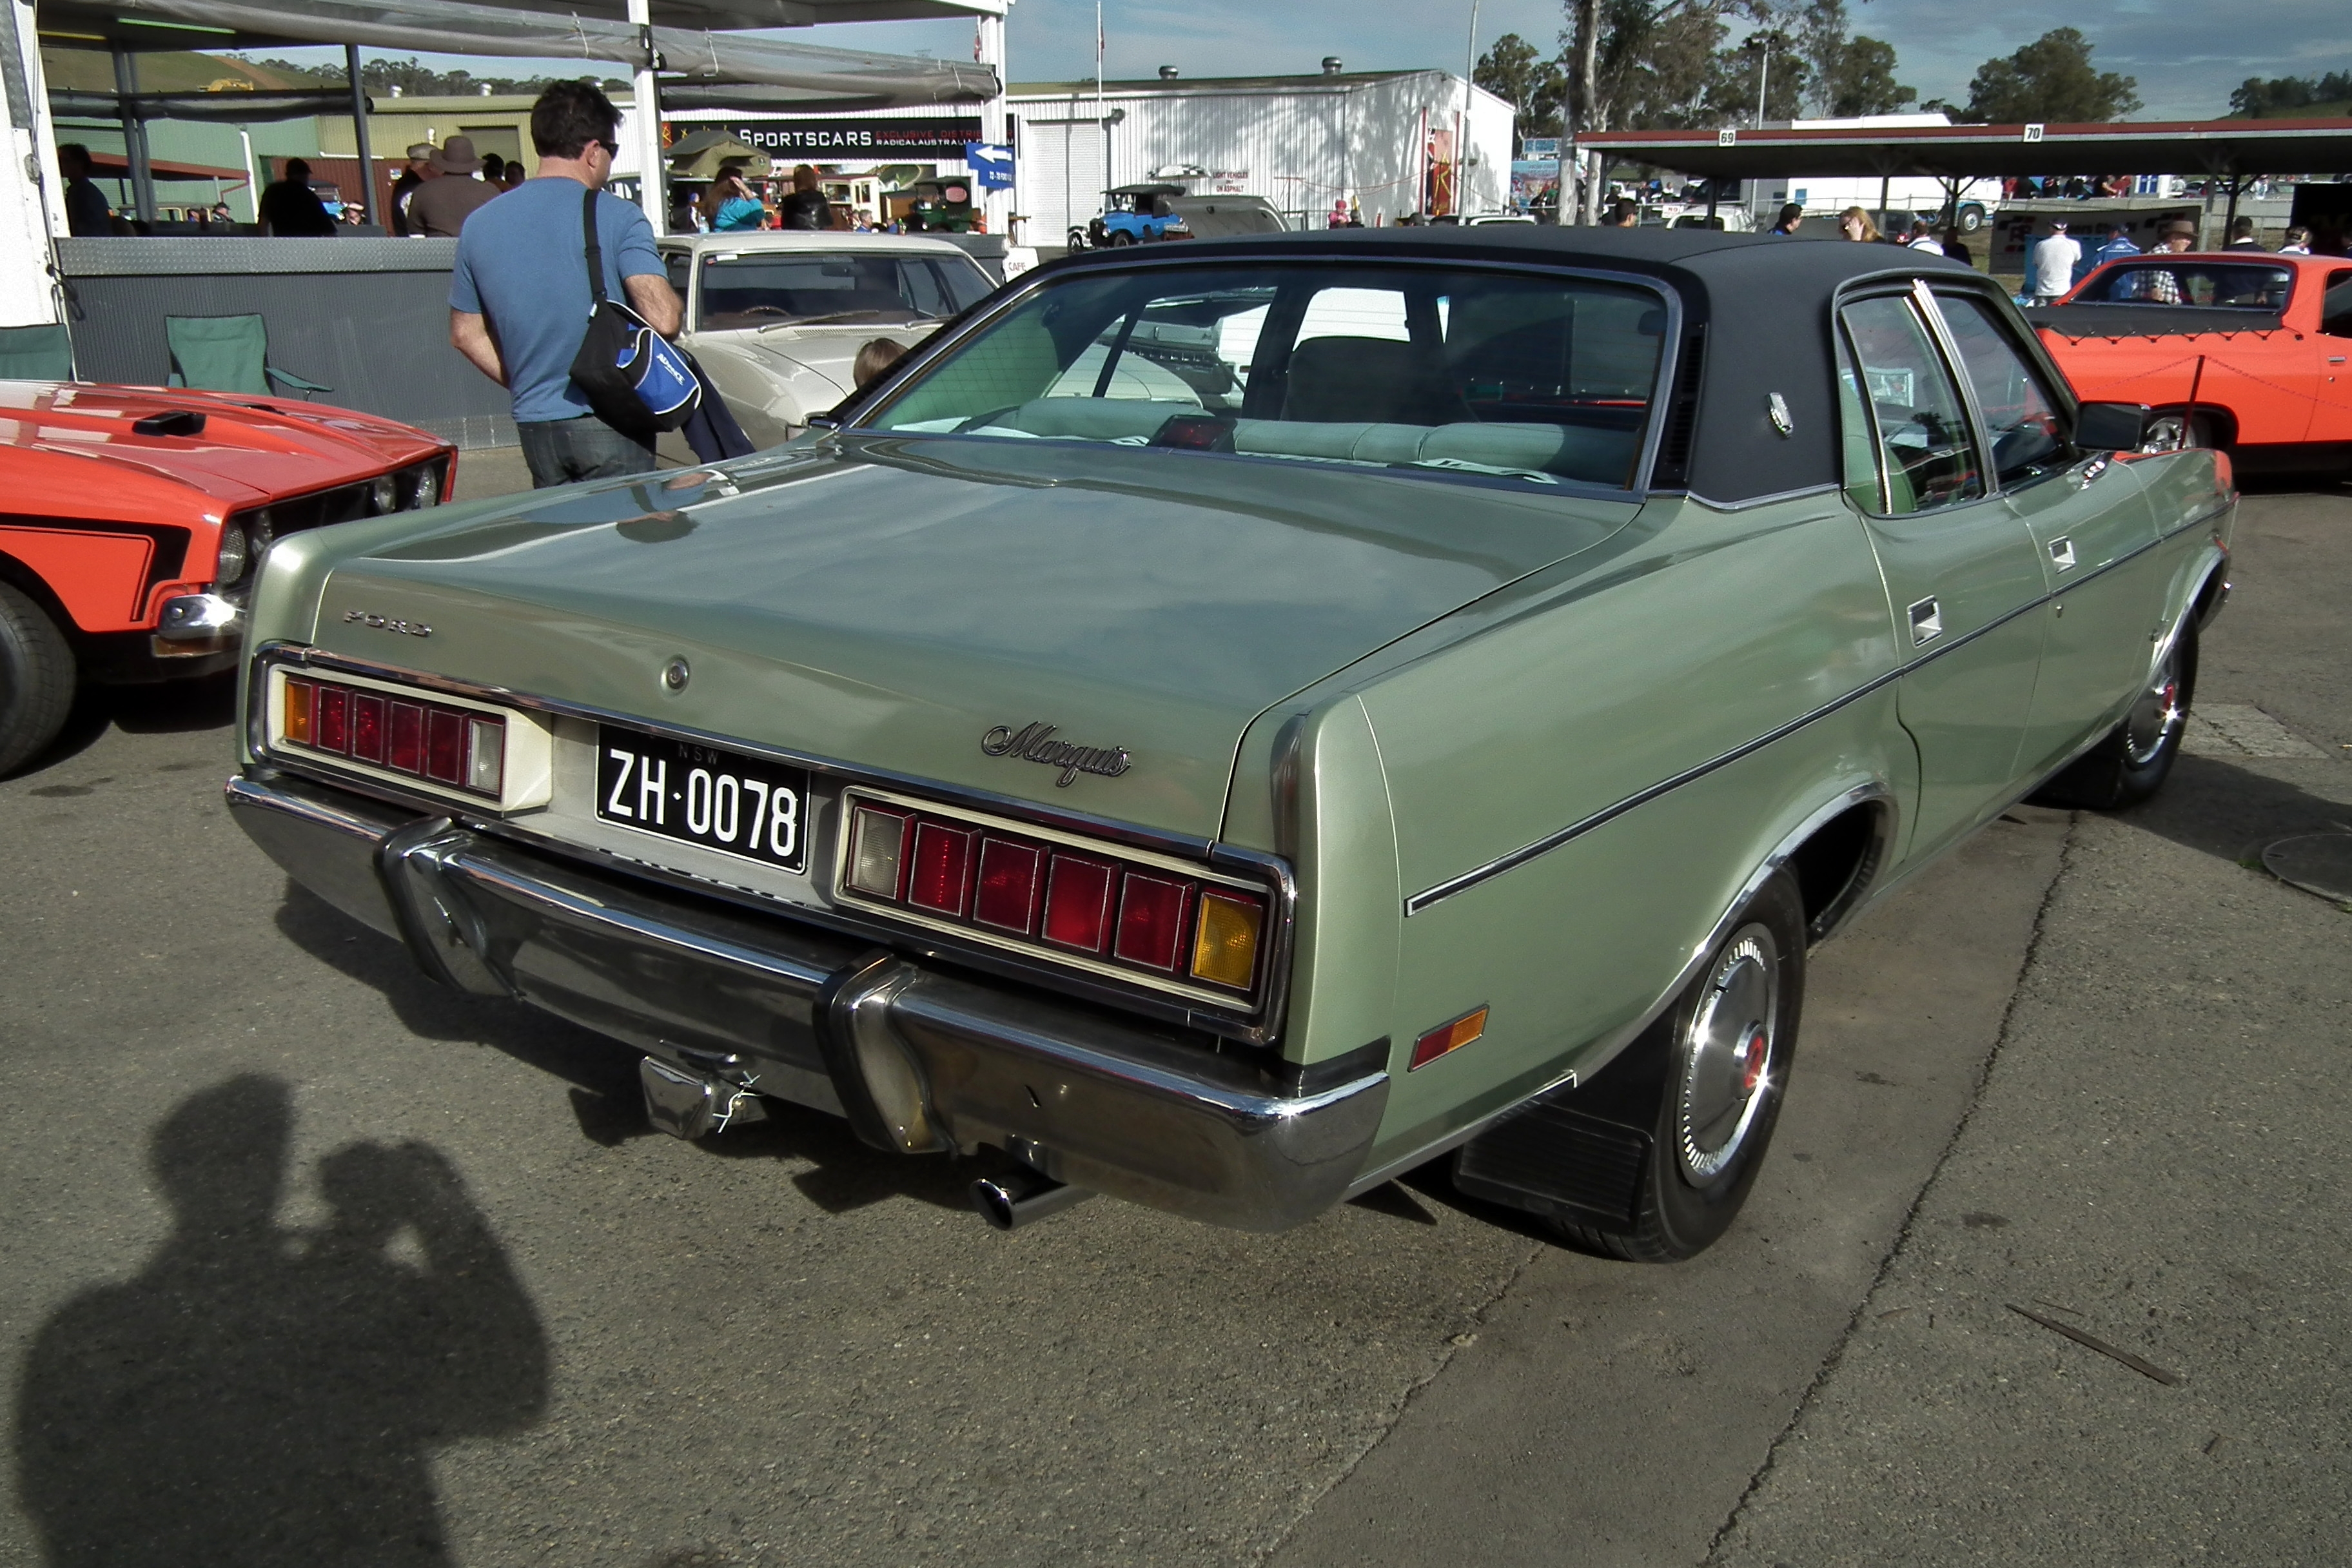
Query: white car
[[776, 319]]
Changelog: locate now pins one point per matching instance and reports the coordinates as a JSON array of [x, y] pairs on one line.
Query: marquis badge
[[1035, 743]]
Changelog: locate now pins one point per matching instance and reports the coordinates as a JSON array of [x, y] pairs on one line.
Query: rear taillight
[[461, 748], [1054, 898]]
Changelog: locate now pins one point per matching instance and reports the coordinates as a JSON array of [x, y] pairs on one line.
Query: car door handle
[[1926, 622], [2061, 553], [2335, 359]]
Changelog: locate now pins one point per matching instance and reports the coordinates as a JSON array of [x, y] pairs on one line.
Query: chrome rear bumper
[[919, 1059]]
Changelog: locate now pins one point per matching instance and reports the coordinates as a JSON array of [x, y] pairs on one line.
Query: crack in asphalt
[[1901, 1242], [1456, 1345]]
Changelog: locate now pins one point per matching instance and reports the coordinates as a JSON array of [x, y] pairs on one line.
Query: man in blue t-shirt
[[519, 300]]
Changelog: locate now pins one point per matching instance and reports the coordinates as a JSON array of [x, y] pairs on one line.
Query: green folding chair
[[227, 353], [37, 353]]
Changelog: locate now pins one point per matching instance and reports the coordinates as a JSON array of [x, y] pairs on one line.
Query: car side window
[[2336, 306], [2030, 438], [1917, 417]]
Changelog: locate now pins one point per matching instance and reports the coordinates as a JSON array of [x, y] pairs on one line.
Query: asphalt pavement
[[310, 1261]]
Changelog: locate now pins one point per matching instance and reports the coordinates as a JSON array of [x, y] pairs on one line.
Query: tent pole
[[2229, 218], [134, 136], [359, 137], [646, 100]]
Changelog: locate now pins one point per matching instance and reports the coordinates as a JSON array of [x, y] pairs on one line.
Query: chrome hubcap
[[1728, 1062], [2156, 714]]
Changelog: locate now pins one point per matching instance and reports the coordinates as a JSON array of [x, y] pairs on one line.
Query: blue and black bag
[[637, 382]]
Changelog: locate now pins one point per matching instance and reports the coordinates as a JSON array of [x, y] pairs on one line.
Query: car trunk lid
[[893, 603]]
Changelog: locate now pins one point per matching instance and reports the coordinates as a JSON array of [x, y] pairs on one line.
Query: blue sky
[[2185, 62]]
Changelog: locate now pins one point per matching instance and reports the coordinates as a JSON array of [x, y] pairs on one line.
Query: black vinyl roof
[[1756, 313]]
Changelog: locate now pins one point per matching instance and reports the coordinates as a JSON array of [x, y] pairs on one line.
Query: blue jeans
[[563, 451]]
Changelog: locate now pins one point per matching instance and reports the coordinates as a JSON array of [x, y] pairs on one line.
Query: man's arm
[[469, 334], [651, 296]]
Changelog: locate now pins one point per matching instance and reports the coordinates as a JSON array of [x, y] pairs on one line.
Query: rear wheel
[[37, 679], [2131, 763], [1726, 1044]]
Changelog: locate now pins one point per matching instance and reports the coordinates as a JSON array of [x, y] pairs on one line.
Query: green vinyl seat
[[37, 353], [227, 353]]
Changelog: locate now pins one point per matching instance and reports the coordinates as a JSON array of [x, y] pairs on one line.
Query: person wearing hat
[[440, 209], [412, 178], [2051, 268], [2158, 284]]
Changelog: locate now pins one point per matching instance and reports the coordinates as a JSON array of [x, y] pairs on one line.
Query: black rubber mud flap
[[1572, 1154]]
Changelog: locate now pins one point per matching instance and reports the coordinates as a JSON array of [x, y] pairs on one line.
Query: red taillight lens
[[1009, 881], [334, 732], [444, 746], [942, 876], [367, 727], [464, 747], [1077, 903], [1151, 920], [406, 753], [1197, 929]]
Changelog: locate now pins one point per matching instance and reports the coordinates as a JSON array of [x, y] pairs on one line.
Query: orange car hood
[[251, 449]]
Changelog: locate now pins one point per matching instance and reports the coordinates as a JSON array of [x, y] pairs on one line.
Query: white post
[[253, 185], [28, 295], [653, 195], [996, 126]]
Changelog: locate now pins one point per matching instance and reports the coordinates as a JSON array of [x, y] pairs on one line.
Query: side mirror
[[2111, 427]]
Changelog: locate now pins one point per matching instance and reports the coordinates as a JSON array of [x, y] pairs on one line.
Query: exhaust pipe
[[1012, 1200]]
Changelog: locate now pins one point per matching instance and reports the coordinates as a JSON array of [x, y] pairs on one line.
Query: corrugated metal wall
[[1300, 146]]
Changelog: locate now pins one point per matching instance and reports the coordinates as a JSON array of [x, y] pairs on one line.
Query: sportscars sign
[[836, 138]]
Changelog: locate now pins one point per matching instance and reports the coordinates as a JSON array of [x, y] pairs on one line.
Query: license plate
[[722, 800]]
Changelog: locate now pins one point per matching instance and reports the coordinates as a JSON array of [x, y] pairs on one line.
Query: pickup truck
[[2241, 350]]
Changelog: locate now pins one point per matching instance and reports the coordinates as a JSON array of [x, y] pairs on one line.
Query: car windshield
[[766, 288], [1529, 379], [2234, 285]]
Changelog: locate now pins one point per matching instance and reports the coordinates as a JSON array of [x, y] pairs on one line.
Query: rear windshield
[[1533, 380], [802, 286], [2239, 285]]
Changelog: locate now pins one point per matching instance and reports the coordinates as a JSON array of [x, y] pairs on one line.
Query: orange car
[[136, 519], [2239, 349]]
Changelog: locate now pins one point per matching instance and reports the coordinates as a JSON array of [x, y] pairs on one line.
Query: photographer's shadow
[[261, 1396]]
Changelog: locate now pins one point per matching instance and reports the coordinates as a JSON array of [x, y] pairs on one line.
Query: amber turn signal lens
[[1447, 1037], [1225, 946], [301, 697]]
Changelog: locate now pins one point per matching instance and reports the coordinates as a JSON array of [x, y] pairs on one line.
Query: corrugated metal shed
[[1303, 143]]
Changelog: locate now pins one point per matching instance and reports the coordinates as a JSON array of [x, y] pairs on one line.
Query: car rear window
[[1528, 379], [2231, 285], [763, 288]]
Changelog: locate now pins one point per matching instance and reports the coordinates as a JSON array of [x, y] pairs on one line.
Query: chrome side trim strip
[[1428, 897], [1798, 494]]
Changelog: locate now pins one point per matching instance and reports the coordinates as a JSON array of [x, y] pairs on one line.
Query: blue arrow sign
[[990, 164]]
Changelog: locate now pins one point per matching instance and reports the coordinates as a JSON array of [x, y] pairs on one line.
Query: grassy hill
[[92, 70]]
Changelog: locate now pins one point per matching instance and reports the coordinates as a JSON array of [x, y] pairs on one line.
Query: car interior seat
[[1339, 380]]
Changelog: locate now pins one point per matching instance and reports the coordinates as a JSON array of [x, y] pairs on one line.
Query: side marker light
[[1447, 1037]]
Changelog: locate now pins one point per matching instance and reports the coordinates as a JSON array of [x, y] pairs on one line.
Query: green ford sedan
[[1224, 726]]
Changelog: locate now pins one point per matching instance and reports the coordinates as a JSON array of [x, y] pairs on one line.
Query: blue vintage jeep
[[1134, 215]]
